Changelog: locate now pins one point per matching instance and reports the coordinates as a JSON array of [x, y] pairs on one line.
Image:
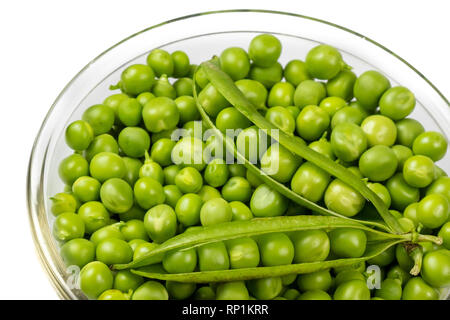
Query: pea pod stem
[[230, 146], [264, 272], [254, 227], [225, 85]]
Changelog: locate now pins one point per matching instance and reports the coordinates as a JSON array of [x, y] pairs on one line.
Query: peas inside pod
[[240, 178]]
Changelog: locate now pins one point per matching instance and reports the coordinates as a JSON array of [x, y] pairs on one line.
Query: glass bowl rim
[[62, 291]]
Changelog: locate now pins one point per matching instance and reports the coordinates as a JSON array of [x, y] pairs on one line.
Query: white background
[[45, 43]]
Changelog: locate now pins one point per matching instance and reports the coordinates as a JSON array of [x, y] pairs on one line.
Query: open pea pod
[[281, 188], [254, 227], [372, 250], [225, 85]]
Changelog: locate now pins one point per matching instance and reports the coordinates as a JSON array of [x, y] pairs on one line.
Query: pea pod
[[263, 272], [224, 84], [254, 227], [272, 182]]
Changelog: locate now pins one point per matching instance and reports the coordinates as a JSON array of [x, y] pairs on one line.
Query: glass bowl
[[201, 36]]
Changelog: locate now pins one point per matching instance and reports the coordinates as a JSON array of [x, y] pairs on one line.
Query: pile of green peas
[[130, 186]]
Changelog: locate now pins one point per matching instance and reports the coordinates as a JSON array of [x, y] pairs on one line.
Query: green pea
[[95, 278], [291, 294], [383, 259], [151, 169], [275, 249], [180, 261], [163, 134], [324, 62], [235, 290], [79, 134], [397, 103], [312, 122], [348, 141], [435, 268], [240, 211], [407, 131], [347, 115], [433, 210], [310, 245], [100, 118], [378, 163], [382, 192], [73, 167], [78, 252], [170, 173], [342, 85], [135, 212], [112, 251], [348, 243], [181, 64], [282, 118], [431, 144], [102, 143], [251, 143], [68, 226], [161, 62], [148, 192], [352, 290], [180, 290], [402, 153], [136, 79], [266, 288], [144, 97], [314, 295], [231, 118], [396, 272], [343, 199], [211, 100], [401, 193], [267, 76], [163, 88], [143, 248], [237, 189], [309, 92], [280, 163], [444, 233], [183, 87], [216, 173], [106, 165], [418, 171], [380, 130], [243, 253], [417, 289], [150, 290], [369, 87], [281, 94], [160, 223], [348, 275], [264, 50], [319, 280], [254, 91], [235, 62], [160, 114], [132, 167], [64, 202], [187, 109], [207, 193], [323, 146], [113, 102], [134, 141], [213, 256], [130, 111], [125, 280], [189, 180], [205, 293], [134, 229], [94, 215], [440, 186], [237, 170], [310, 181], [267, 202], [332, 104], [295, 72], [188, 209], [215, 211], [108, 232], [117, 195], [188, 151]]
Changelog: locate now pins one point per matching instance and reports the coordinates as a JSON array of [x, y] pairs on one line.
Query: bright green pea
[[130, 112], [332, 105], [240, 211], [407, 131], [266, 288], [151, 169], [243, 253], [309, 92], [436, 268], [254, 91], [102, 143], [161, 62], [237, 189], [189, 180], [173, 194], [110, 231], [417, 289], [188, 151], [369, 87], [134, 229], [100, 118], [380, 130], [143, 248], [235, 290], [251, 143], [113, 102], [125, 280], [160, 223], [188, 209], [342, 85], [324, 62], [378, 163], [180, 290], [352, 290], [433, 210], [348, 141], [418, 171], [215, 211], [267, 202], [200, 76], [187, 109], [264, 50], [211, 100], [213, 256], [160, 114], [117, 195], [402, 153], [181, 64], [275, 249], [396, 272], [95, 278], [310, 245], [150, 290], [144, 97], [78, 252], [383, 259], [148, 192], [183, 87], [440, 186], [207, 193], [134, 141], [431, 144], [323, 146], [281, 94], [205, 293], [132, 167], [382, 192], [170, 173], [319, 280], [310, 181], [402, 194], [106, 165], [180, 261], [94, 215], [235, 62], [73, 167], [135, 212], [282, 118], [295, 72], [343, 199], [111, 251], [68, 226], [348, 243], [79, 134], [348, 275], [231, 118], [64, 202], [216, 173], [312, 122], [267, 76], [136, 79], [163, 88], [280, 163], [397, 103], [347, 115], [444, 233]]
